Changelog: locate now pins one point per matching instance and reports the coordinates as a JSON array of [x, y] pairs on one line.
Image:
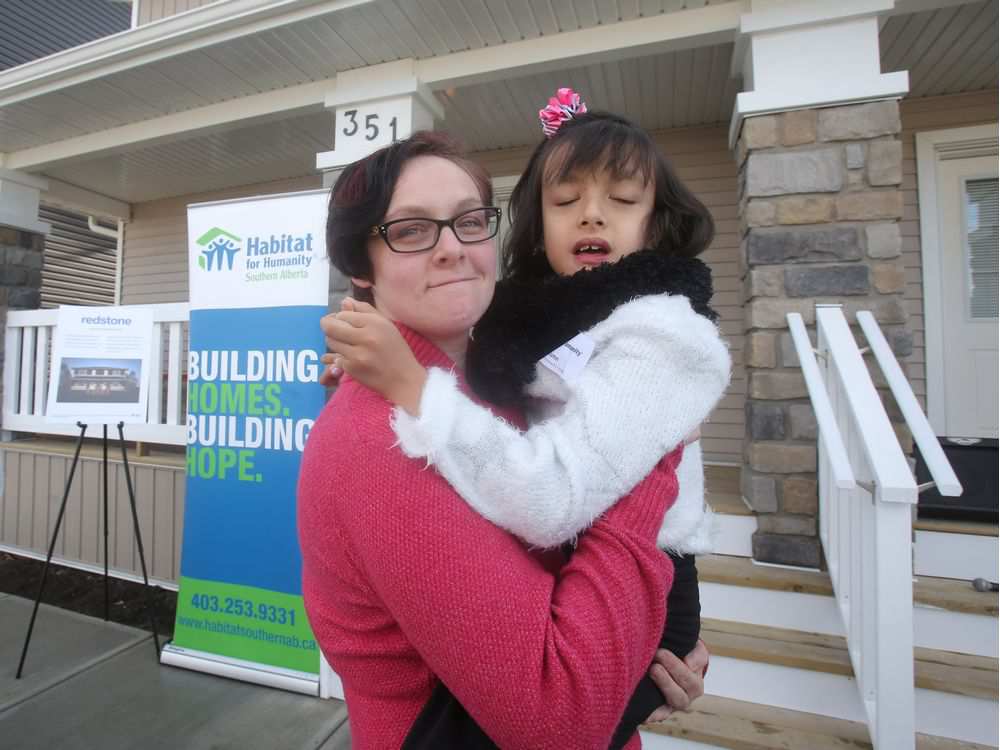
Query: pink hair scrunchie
[[562, 107]]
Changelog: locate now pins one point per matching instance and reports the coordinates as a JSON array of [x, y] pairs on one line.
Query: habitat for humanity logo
[[220, 249]]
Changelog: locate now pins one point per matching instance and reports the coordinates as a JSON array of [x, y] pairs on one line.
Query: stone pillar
[[22, 240], [20, 281], [820, 202], [21, 276]]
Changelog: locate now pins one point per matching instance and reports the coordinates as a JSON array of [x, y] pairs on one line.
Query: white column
[[375, 106], [19, 197], [810, 53]]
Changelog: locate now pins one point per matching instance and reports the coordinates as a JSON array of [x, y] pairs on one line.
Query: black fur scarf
[[529, 319]]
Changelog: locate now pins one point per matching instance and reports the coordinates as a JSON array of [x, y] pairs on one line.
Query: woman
[[404, 584]]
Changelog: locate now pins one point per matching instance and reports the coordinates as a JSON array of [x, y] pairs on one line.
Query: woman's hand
[[368, 347], [681, 682]]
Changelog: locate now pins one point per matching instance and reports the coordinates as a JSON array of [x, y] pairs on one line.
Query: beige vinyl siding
[[917, 115], [154, 262], [704, 162], [154, 10], [33, 484]]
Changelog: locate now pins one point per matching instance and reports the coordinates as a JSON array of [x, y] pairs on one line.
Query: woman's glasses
[[417, 234]]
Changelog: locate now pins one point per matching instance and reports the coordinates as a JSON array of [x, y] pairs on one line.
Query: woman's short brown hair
[[361, 196]]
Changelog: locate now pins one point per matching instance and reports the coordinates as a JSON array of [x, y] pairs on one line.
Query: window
[[982, 248]]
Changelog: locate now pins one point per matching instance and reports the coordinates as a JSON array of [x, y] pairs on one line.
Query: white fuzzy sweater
[[657, 371]]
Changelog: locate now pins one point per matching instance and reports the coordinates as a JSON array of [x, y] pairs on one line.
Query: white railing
[[866, 494], [27, 354]]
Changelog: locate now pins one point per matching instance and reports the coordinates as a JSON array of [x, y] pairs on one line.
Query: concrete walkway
[[91, 684]]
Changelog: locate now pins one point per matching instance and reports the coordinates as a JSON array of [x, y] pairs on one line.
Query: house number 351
[[370, 126]]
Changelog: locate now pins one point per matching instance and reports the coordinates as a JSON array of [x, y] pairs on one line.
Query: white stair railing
[[942, 474], [27, 343], [866, 494]]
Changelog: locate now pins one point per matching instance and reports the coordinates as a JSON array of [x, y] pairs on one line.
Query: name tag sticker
[[569, 359]]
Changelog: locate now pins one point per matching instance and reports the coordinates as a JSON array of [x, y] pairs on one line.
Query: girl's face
[[443, 291], [592, 218]]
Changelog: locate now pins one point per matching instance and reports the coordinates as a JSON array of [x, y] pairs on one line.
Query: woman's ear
[[363, 289]]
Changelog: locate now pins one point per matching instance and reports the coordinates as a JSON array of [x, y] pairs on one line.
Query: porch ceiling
[[946, 50], [673, 90], [257, 153], [316, 48], [679, 89]]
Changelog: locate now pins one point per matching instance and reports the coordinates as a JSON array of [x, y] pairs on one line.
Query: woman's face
[[442, 292], [592, 218]]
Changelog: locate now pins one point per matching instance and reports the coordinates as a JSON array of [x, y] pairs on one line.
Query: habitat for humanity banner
[[259, 282]]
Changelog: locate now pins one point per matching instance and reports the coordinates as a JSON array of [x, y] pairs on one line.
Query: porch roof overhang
[[233, 92]]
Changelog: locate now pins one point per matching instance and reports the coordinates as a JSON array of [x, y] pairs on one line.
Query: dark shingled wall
[[30, 29]]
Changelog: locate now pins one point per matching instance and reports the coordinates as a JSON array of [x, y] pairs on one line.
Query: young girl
[[615, 365]]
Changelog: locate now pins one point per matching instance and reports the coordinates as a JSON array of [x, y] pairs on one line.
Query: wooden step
[[722, 491], [722, 479], [973, 528], [727, 504], [955, 596], [943, 593], [948, 672], [741, 571], [740, 725]]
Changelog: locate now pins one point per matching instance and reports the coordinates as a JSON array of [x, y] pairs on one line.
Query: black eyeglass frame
[[382, 230]]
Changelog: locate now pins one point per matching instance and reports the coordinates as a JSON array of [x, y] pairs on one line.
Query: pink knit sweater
[[404, 584]]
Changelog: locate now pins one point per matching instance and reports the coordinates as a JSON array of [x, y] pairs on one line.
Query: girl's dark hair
[[361, 196], [680, 224]]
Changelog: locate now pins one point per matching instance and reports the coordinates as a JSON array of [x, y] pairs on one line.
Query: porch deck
[[89, 683]]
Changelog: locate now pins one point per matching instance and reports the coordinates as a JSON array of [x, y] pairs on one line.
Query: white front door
[[967, 202]]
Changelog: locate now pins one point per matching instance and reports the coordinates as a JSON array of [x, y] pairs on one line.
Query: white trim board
[[959, 717], [934, 628], [682, 29], [651, 741], [733, 535], [932, 146], [960, 632], [963, 556]]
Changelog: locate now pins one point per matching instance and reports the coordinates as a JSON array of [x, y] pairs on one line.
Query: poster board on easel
[[100, 365]]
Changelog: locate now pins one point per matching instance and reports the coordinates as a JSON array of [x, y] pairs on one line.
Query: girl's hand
[[681, 682], [368, 347], [330, 374]]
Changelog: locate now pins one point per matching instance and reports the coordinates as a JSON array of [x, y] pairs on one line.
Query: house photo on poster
[[100, 364], [107, 380]]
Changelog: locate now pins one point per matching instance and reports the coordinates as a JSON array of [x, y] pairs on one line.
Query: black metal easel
[[55, 534]]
